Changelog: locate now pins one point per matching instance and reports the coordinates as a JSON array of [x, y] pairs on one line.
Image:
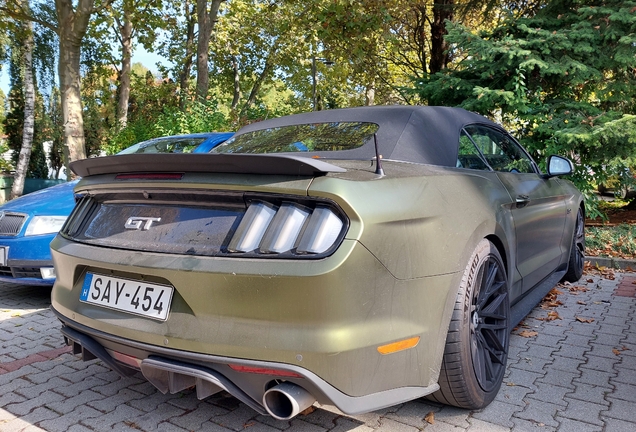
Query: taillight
[[252, 228], [287, 228], [283, 230], [322, 231]]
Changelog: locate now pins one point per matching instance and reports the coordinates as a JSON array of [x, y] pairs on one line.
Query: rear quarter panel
[[422, 220]]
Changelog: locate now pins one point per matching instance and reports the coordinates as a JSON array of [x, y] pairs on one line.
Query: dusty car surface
[[358, 257]]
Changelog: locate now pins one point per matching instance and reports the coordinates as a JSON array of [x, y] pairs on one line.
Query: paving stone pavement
[[572, 367]]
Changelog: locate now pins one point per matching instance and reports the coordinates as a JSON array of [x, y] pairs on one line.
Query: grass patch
[[611, 241]]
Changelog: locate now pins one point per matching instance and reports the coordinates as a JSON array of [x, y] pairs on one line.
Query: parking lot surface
[[572, 367]]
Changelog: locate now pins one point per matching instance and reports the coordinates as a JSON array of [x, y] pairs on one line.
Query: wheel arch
[[501, 249]]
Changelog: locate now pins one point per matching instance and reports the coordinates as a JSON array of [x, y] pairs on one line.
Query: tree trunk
[[126, 30], [269, 67], [189, 52], [369, 95], [237, 83], [442, 11], [72, 25], [29, 116], [419, 36], [206, 19]]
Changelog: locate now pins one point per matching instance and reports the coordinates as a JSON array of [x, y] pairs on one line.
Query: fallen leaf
[[590, 280], [616, 352], [528, 333], [510, 384], [574, 289], [584, 320], [551, 304], [308, 410], [250, 424], [430, 418], [581, 303]]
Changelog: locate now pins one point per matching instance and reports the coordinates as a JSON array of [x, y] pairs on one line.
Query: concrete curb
[[616, 263]]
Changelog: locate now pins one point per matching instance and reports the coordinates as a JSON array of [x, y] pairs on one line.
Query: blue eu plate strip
[[86, 287]]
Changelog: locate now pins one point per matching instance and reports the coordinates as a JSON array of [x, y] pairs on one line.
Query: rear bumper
[[174, 371], [27, 281], [328, 316], [27, 272]]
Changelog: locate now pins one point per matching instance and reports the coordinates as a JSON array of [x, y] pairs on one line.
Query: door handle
[[522, 200]]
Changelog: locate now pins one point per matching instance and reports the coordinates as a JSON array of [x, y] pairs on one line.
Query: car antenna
[[378, 157]]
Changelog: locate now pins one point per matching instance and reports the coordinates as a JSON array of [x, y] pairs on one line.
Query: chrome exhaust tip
[[285, 401]]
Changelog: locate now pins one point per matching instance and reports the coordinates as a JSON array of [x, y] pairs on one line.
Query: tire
[[577, 251], [621, 192], [476, 349], [625, 193]]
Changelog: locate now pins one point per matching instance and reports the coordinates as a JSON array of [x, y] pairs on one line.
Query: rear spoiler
[[278, 164]]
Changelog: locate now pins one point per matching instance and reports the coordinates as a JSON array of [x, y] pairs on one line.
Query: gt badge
[[140, 223]]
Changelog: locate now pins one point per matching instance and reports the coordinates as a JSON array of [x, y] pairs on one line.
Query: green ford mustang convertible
[[358, 257]]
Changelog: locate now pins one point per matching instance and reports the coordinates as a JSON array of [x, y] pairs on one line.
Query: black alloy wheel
[[489, 325], [476, 351], [577, 253]]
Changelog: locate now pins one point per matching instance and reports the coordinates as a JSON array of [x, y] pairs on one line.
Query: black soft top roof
[[420, 134]]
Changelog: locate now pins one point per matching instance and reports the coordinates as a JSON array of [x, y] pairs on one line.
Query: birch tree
[[29, 113], [72, 23]]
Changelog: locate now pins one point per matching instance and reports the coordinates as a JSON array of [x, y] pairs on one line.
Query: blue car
[[29, 223]]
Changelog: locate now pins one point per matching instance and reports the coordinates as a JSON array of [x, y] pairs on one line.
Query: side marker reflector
[[399, 346]]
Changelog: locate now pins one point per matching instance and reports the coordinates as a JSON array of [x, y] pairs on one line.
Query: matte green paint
[[395, 276]]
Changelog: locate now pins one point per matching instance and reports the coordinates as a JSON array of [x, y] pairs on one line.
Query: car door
[[537, 204]]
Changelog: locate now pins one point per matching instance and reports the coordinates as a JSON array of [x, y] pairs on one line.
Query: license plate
[[4, 251], [126, 295]]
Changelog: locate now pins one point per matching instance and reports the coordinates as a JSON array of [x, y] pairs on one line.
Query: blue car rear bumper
[[25, 257]]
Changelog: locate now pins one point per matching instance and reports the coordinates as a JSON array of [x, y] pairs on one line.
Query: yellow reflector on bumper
[[399, 346]]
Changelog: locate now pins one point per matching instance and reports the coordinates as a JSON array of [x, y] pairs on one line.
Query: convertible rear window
[[315, 137]]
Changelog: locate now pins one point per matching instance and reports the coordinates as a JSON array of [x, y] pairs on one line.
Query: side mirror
[[558, 166]]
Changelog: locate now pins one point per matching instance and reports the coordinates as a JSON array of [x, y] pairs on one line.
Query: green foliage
[[98, 99], [52, 124], [5, 165], [563, 79], [196, 117], [154, 112], [612, 241], [3, 112]]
